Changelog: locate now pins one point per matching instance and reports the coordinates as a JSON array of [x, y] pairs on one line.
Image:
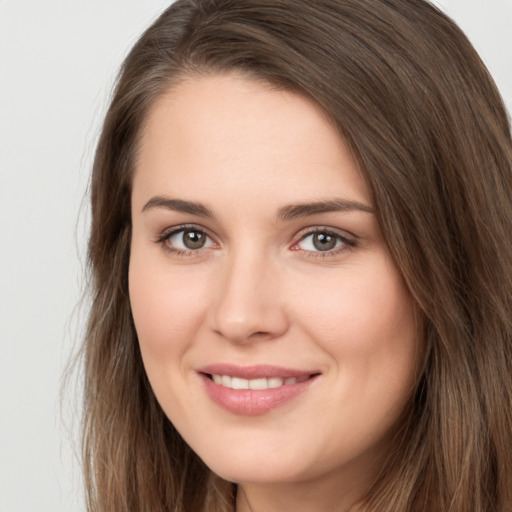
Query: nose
[[248, 304]]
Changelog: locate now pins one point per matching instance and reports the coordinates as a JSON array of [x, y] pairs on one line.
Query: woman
[[300, 256]]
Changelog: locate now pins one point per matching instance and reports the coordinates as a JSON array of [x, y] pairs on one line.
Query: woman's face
[[275, 329]]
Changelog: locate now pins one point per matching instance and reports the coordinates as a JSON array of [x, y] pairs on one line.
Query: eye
[[324, 241], [188, 239], [185, 240]]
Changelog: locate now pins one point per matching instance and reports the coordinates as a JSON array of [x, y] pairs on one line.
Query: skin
[[260, 292]]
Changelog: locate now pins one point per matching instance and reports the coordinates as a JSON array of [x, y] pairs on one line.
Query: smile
[[254, 390], [260, 383]]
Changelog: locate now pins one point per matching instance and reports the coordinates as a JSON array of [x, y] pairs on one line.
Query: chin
[[260, 466], [262, 474]]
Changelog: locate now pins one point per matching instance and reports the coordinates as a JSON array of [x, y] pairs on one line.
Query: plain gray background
[[58, 60]]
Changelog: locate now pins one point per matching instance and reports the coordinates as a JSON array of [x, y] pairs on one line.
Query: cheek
[[367, 327], [360, 310], [365, 321], [167, 314], [166, 307]]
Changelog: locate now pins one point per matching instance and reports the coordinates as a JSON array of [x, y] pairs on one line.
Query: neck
[[323, 495]]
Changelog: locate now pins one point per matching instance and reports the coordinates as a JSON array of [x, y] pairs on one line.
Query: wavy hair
[[424, 119]]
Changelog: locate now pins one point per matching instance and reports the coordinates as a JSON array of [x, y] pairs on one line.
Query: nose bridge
[[248, 304]]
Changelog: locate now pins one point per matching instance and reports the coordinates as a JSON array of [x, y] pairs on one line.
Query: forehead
[[246, 136]]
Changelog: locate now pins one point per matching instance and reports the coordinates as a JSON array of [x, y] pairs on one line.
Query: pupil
[[193, 239], [324, 242]]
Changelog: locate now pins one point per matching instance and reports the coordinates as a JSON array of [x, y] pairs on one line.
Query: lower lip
[[253, 402]]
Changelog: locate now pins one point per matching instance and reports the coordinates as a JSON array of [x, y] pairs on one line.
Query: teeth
[[258, 383], [261, 383], [237, 383], [275, 382]]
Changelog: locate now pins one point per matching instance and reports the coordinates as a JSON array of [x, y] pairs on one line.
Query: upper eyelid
[[169, 231], [325, 229]]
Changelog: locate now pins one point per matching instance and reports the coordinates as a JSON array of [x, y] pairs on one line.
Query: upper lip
[[254, 371]]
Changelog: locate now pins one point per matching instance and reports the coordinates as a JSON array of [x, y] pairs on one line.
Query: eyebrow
[[289, 212], [178, 205], [296, 211]]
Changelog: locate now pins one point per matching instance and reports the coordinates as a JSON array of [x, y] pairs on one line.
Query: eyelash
[[347, 242]]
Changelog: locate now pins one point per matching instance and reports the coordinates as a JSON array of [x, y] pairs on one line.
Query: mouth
[[254, 390]]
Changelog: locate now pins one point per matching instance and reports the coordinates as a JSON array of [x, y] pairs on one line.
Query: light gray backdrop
[[58, 59]]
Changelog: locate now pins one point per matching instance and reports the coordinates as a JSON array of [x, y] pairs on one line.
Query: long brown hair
[[432, 138]]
